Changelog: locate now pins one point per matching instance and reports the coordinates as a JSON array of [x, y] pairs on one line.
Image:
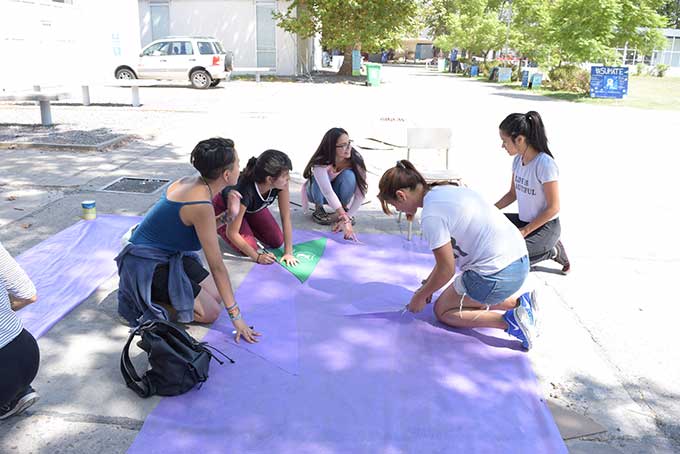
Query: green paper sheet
[[308, 254]]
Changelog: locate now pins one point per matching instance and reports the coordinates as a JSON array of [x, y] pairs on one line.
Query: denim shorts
[[494, 288]]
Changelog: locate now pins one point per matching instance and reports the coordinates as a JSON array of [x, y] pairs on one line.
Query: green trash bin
[[373, 74]]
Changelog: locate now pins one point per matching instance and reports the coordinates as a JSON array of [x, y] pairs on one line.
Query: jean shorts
[[494, 288]]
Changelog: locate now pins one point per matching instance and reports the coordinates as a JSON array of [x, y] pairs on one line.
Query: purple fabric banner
[[67, 267], [339, 369]]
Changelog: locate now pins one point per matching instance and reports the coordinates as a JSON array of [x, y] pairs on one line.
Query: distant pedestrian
[[19, 353], [534, 186]]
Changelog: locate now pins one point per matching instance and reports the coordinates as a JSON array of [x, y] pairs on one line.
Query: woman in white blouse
[[336, 176]]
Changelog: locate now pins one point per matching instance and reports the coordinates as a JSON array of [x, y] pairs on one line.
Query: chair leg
[[410, 230], [399, 218]]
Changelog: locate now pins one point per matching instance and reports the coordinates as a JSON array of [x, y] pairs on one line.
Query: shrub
[[640, 69], [570, 78], [661, 69]]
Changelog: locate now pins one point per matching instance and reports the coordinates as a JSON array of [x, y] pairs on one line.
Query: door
[[180, 59], [160, 21], [265, 34], [153, 63]]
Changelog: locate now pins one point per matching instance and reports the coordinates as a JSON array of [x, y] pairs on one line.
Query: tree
[[351, 24], [474, 25], [670, 9], [531, 30]]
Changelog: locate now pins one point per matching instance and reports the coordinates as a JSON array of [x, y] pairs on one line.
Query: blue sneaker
[[520, 326], [529, 302]]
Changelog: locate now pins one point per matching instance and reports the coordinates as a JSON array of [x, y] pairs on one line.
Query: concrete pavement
[[608, 346]]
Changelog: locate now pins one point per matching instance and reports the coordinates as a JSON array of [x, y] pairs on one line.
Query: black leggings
[[19, 360], [540, 242]]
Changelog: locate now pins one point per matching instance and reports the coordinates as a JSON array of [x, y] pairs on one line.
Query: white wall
[[52, 44]]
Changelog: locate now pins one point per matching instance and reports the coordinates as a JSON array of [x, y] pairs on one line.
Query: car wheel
[[215, 82], [125, 73], [200, 79]]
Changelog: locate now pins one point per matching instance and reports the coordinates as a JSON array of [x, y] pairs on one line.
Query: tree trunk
[[346, 68]]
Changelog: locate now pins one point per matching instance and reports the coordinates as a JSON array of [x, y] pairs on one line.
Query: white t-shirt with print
[[529, 180], [483, 239]]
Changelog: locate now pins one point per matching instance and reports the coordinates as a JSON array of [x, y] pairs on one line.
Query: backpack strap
[[127, 369], [193, 342]]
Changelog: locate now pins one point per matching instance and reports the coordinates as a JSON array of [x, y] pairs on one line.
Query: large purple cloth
[[67, 267], [340, 370]]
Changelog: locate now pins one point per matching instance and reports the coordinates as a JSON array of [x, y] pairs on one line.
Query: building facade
[[670, 55], [245, 27]]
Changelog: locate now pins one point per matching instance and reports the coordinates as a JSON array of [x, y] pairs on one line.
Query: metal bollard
[[86, 95], [45, 113], [135, 96]]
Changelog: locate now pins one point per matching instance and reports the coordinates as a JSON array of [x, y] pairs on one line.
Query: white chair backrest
[[435, 138]]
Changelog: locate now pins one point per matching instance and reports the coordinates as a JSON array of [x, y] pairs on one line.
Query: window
[[206, 48], [181, 48], [157, 50], [219, 47]]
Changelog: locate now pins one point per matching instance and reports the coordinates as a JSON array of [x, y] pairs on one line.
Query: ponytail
[[403, 176], [529, 125], [247, 172], [271, 163]]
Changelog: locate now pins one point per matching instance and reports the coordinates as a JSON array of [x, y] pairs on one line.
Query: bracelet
[[235, 315], [231, 307], [238, 317], [257, 260]]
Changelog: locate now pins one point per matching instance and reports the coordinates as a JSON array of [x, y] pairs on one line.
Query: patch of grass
[[662, 93]]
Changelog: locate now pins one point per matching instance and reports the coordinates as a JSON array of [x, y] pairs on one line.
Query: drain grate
[[135, 185]]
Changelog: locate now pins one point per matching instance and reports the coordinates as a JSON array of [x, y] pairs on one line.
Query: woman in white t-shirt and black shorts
[[466, 232], [534, 186]]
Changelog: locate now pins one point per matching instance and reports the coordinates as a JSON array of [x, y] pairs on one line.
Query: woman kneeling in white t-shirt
[[534, 186], [464, 231]]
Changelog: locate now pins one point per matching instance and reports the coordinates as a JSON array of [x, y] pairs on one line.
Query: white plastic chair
[[430, 139]]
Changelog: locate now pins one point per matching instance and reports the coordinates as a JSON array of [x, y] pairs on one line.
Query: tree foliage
[[351, 24], [474, 25], [553, 31], [670, 9]]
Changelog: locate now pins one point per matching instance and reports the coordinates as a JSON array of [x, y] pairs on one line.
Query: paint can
[[89, 209]]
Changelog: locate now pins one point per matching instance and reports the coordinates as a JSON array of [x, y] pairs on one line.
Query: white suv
[[201, 60]]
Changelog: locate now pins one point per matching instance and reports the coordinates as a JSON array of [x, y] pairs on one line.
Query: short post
[[135, 96], [86, 95], [45, 113], [36, 88], [257, 76]]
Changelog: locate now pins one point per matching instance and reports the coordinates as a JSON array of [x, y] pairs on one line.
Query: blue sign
[[356, 63], [504, 74], [608, 82], [474, 71], [536, 81], [525, 79]]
